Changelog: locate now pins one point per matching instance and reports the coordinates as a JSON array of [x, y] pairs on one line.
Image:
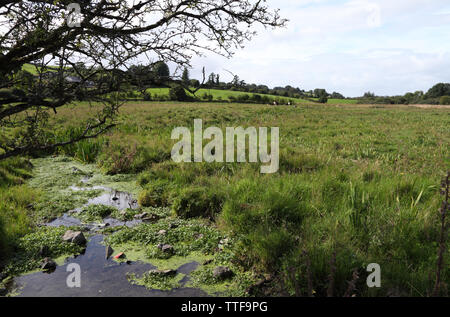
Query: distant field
[[30, 68], [219, 95], [34, 70]]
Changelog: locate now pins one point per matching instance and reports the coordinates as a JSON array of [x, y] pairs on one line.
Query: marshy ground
[[107, 217], [357, 185]]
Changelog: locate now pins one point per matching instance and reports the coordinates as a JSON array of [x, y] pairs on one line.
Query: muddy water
[[99, 277]]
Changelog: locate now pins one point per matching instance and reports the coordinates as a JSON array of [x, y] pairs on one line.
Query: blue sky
[[385, 46]]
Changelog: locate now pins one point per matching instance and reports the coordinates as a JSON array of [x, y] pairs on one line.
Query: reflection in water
[[65, 221], [99, 277], [111, 197], [119, 200]]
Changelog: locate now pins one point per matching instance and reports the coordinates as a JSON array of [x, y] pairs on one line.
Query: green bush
[[195, 202], [155, 194], [232, 98], [85, 151], [323, 99], [148, 96], [178, 93], [267, 214], [269, 202], [95, 212], [207, 97], [445, 100], [270, 247]]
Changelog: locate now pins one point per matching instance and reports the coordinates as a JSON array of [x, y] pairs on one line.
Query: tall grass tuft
[[445, 186], [85, 151]]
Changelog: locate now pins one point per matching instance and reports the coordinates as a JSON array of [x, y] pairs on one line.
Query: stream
[[99, 276]]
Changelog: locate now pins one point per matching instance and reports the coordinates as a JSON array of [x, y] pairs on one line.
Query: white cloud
[[385, 46]]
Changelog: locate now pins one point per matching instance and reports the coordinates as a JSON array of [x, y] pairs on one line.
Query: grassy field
[[224, 95], [35, 70], [217, 94], [357, 185]]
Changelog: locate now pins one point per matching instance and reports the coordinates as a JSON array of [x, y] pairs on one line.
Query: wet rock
[[141, 216], [48, 264], [121, 255], [257, 288], [162, 232], [132, 204], [76, 170], [206, 262], [86, 229], [167, 248], [199, 236], [151, 218], [108, 252], [222, 272], [164, 272], [76, 237], [44, 251]]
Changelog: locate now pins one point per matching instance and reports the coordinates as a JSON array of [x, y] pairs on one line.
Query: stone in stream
[[222, 272], [48, 264], [199, 236], [44, 251], [141, 216], [76, 237], [121, 255], [163, 272], [206, 262], [77, 171], [257, 288], [166, 248], [109, 252]]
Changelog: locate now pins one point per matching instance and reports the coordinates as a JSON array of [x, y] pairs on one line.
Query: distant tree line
[[139, 78], [158, 75], [438, 94]]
